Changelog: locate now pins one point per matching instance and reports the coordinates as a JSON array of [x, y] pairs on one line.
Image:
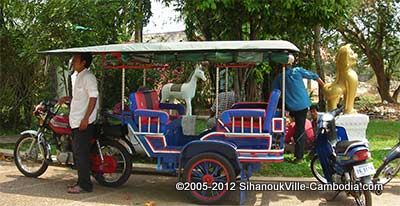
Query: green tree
[[30, 26], [375, 29], [298, 21]]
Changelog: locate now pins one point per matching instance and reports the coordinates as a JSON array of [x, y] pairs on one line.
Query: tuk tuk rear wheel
[[209, 169]]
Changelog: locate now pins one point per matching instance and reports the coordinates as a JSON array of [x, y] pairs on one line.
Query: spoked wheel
[[362, 197], [116, 168], [387, 171], [29, 156], [209, 169], [317, 171]]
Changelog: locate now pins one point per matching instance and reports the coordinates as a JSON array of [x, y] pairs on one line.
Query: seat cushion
[[147, 100], [342, 146]]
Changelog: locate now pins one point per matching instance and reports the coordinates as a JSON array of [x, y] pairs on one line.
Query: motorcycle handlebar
[[337, 111]]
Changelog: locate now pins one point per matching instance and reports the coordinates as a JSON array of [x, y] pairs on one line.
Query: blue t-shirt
[[296, 94]]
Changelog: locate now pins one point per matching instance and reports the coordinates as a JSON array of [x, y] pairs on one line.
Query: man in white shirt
[[83, 111]]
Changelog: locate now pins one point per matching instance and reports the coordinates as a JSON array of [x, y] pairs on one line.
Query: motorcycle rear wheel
[[119, 153], [364, 198], [29, 156]]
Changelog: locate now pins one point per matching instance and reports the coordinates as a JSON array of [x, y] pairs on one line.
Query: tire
[[124, 165], [36, 152], [316, 170], [387, 171], [216, 162], [367, 199]]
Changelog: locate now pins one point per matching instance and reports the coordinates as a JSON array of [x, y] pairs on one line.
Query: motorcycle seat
[[343, 146]]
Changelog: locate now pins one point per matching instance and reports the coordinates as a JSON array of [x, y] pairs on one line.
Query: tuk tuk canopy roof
[[212, 51]]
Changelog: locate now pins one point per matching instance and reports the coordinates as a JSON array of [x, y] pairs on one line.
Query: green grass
[[382, 135], [201, 125]]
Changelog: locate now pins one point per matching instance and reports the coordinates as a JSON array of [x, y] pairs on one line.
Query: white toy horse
[[185, 91]]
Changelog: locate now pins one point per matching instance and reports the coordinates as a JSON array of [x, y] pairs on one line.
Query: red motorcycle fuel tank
[[60, 125]]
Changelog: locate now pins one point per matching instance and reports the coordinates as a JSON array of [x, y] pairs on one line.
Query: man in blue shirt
[[297, 101]]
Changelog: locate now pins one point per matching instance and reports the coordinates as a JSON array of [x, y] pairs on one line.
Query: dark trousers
[[299, 134], [81, 146]]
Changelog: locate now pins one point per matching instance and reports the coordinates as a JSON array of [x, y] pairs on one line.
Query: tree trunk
[[53, 81], [318, 63], [376, 61], [251, 85], [138, 32], [139, 25], [396, 94], [236, 85]]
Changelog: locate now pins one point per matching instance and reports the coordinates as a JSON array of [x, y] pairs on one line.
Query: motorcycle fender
[[126, 145], [32, 132]]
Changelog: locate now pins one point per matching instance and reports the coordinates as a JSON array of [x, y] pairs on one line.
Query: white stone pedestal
[[355, 125], [189, 125]]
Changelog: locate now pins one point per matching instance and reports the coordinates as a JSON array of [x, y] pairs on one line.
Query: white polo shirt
[[84, 86]]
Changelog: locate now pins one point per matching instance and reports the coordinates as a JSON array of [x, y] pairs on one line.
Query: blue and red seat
[[148, 114], [251, 120]]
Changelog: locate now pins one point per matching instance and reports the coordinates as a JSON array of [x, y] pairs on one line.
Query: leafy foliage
[[30, 26], [374, 28]]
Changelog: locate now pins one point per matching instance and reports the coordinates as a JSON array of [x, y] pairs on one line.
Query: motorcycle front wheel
[[387, 171], [116, 167], [317, 170], [29, 156]]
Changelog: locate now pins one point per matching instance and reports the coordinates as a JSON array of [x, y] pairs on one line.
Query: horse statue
[[346, 81], [185, 91]]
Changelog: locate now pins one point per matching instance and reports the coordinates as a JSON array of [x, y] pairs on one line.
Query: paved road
[[50, 189]]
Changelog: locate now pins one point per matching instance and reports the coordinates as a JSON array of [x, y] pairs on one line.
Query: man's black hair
[[314, 106], [87, 57]]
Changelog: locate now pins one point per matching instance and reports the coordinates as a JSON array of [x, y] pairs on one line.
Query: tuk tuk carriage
[[210, 163]]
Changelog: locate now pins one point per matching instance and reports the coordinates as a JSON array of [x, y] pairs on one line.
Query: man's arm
[[89, 110], [307, 74], [311, 75], [320, 82]]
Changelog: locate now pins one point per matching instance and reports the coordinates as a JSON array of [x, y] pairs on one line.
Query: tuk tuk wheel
[[208, 176]]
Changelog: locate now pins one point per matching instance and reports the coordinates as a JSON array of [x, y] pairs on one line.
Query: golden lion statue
[[346, 81]]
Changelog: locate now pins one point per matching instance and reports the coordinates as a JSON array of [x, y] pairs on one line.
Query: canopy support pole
[[216, 93], [123, 93], [283, 90], [226, 79], [46, 64], [144, 77]]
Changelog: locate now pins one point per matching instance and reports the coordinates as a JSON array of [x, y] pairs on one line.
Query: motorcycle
[[340, 161], [111, 163], [390, 166]]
